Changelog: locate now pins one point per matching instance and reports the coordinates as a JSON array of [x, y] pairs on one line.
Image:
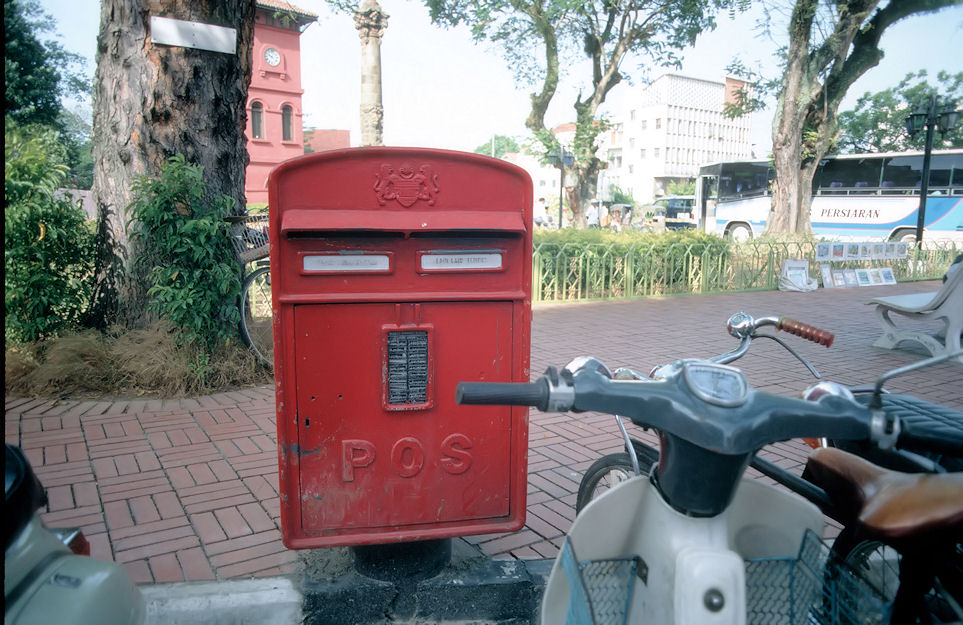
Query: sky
[[441, 89]]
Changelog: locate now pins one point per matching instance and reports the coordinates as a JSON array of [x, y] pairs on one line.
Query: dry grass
[[133, 364]]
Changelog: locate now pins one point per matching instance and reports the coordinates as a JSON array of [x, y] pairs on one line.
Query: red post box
[[397, 273]]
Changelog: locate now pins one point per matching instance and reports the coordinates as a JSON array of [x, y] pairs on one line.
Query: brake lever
[[809, 366]]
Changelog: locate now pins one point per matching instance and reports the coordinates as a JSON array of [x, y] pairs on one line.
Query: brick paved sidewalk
[[187, 489]]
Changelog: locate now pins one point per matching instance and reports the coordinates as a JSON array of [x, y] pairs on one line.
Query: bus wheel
[[739, 233], [905, 236]]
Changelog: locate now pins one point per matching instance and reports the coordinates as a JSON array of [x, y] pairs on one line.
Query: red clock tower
[[274, 132]]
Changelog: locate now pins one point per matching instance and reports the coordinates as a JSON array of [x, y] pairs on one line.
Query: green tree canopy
[[37, 73], [540, 37], [878, 122], [498, 146]]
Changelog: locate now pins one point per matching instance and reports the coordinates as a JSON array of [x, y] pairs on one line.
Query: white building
[[667, 131], [546, 179]]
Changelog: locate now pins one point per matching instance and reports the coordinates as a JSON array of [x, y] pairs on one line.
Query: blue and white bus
[[855, 196]]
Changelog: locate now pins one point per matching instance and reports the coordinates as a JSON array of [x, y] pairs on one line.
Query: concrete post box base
[[396, 562], [471, 588]]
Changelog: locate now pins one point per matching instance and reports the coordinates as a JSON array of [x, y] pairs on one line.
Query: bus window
[[902, 172], [839, 174], [744, 180], [941, 169], [957, 180]]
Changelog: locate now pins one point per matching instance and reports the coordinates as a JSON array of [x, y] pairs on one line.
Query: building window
[[287, 123], [631, 142], [631, 169], [632, 115], [257, 120], [658, 123], [645, 124], [642, 153], [656, 152]]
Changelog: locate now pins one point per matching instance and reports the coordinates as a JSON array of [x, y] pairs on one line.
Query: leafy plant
[[193, 276], [622, 197], [48, 247], [681, 188], [498, 146]]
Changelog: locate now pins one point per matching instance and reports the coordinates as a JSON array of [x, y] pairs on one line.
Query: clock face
[[272, 56]]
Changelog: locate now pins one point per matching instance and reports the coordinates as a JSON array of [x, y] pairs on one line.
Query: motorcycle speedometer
[[716, 384]]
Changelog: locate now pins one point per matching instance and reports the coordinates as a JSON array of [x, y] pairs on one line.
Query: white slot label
[[461, 261], [347, 263]]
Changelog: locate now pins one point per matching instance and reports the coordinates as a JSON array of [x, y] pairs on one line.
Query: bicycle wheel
[[609, 471], [879, 565], [257, 315]]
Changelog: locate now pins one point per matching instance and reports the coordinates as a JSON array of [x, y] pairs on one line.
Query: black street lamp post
[[563, 156], [930, 118]]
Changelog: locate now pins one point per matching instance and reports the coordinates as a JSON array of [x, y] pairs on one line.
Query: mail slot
[[397, 273]]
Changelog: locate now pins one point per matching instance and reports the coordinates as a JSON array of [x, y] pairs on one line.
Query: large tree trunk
[[787, 132], [154, 101]]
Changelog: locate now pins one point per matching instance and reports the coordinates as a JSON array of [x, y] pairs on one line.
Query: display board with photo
[[826, 271], [867, 250]]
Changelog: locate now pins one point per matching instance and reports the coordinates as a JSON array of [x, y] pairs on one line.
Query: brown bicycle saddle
[[889, 504]]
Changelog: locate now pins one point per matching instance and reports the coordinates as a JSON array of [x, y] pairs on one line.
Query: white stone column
[[371, 22]]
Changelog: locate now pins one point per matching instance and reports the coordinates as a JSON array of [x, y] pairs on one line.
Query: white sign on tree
[[171, 32]]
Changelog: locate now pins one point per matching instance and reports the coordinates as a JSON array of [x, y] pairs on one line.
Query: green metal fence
[[572, 272]]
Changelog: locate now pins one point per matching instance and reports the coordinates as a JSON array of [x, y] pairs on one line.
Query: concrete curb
[[266, 601], [473, 590]]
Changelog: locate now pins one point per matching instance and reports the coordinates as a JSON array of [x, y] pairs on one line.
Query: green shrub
[[593, 263], [48, 246], [193, 275]]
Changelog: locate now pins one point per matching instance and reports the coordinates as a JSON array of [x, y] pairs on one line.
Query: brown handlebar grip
[[807, 332]]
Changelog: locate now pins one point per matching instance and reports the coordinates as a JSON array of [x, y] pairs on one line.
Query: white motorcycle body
[[694, 572]]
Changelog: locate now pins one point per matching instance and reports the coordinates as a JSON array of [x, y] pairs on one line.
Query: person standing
[[540, 214], [592, 214]]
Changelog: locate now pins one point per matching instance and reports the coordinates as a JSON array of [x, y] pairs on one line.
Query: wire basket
[[810, 589], [249, 237], [601, 590]]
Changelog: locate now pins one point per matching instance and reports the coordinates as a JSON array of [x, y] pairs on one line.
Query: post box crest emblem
[[406, 185]]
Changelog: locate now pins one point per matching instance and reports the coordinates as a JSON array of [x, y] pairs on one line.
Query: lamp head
[[915, 122], [948, 120]]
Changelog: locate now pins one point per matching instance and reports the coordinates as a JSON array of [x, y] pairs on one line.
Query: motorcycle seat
[[23, 494], [889, 505], [925, 421]]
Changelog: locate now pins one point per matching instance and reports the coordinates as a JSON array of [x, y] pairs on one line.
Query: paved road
[[186, 489]]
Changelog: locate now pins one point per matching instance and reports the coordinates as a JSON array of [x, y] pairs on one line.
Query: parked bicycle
[[249, 234], [694, 541]]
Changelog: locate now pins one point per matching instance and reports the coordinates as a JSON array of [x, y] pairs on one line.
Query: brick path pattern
[[186, 489]]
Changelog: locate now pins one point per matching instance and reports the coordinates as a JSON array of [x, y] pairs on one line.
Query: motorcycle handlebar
[[503, 394], [806, 331]]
